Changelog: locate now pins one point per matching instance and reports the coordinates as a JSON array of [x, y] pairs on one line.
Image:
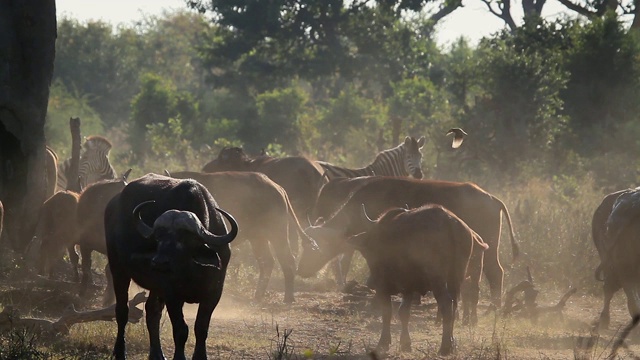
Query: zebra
[[402, 160], [93, 166]]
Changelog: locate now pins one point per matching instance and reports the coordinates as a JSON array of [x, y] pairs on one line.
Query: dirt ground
[[326, 324]]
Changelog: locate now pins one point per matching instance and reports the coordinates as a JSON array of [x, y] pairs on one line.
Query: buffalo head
[[181, 237]]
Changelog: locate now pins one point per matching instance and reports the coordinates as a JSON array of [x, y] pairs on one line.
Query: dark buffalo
[[264, 210], [300, 177], [415, 251], [605, 273], [56, 230], [182, 257], [620, 250], [479, 209]]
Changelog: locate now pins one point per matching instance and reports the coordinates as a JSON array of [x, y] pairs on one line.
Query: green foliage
[[462, 74], [98, 64], [604, 84], [278, 118], [62, 106], [276, 41], [347, 111], [519, 116], [154, 106]]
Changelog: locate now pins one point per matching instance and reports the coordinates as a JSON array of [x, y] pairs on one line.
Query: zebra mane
[[382, 153], [100, 142]]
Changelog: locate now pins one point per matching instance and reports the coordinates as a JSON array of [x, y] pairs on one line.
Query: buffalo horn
[[217, 240], [125, 176], [145, 230], [364, 213]]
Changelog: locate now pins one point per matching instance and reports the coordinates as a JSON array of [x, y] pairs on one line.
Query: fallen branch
[[10, 317], [528, 304]]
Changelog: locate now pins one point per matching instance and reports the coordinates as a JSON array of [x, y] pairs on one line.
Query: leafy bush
[[62, 106]]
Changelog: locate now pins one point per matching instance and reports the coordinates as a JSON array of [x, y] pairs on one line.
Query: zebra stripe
[[93, 166], [402, 160]]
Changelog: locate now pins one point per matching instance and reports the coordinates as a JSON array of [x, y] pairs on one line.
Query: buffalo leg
[[180, 328], [107, 297], [75, 260], [610, 286], [403, 314], [495, 275], [470, 289], [87, 278], [263, 255], [121, 289], [201, 327], [153, 308], [632, 292], [446, 308], [384, 302], [293, 239], [288, 265], [342, 265]]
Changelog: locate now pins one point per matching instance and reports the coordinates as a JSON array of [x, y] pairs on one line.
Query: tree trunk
[[27, 50], [73, 181]]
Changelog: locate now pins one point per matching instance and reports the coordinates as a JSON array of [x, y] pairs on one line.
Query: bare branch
[[578, 8], [447, 9], [504, 12]]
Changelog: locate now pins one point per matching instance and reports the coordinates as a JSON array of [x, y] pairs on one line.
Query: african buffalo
[[56, 229], [479, 209], [415, 251], [300, 177], [620, 250], [68, 219], [90, 229], [182, 257], [264, 210], [605, 273], [330, 198]]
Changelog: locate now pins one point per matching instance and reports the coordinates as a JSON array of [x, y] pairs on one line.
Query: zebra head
[[413, 156], [98, 144]]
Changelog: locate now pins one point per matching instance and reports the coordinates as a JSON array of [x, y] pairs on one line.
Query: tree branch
[[504, 12], [578, 8], [447, 9]]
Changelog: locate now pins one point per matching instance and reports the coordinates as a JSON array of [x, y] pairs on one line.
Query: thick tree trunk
[[73, 182], [27, 50]]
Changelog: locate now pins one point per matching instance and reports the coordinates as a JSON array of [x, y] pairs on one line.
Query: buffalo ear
[[358, 241]]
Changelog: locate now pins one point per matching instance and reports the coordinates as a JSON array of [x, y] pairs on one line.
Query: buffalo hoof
[[603, 323], [383, 347], [447, 347], [154, 355], [405, 347]]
